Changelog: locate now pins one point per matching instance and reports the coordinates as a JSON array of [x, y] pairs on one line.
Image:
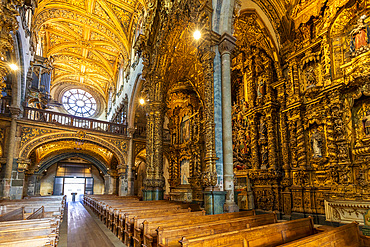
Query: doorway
[[74, 186]]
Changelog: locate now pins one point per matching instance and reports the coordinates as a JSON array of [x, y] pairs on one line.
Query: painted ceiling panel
[[87, 39]]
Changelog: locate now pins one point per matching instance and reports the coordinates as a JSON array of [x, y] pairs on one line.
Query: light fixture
[[197, 35], [141, 101], [13, 66]]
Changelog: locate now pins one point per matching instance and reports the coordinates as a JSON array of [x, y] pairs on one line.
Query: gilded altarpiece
[[255, 110], [184, 114], [301, 116]]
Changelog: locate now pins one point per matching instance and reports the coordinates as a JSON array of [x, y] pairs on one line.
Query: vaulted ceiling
[[88, 40]]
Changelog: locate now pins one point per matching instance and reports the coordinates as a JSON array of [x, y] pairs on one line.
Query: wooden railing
[[73, 121]]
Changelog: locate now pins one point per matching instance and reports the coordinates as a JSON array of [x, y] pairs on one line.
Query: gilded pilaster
[[154, 181], [301, 148], [209, 174], [254, 142], [271, 139]]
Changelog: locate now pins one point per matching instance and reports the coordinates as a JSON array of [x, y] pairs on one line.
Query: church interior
[[218, 111]]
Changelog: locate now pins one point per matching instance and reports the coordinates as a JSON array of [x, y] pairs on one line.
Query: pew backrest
[[347, 235], [17, 214], [262, 236]]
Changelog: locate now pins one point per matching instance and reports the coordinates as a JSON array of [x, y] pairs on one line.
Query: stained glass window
[[79, 103]]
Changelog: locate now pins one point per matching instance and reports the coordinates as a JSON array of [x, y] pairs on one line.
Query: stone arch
[[51, 161], [134, 102], [36, 142], [227, 15]]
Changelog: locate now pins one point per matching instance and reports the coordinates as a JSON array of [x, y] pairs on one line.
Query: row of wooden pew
[[164, 223], [32, 221]]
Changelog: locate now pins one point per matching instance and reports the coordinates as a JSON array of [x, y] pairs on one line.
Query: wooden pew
[[171, 236], [17, 214], [127, 216], [108, 210], [347, 235], [35, 230], [113, 213], [133, 223], [148, 229], [39, 241], [14, 233], [267, 236], [38, 214]]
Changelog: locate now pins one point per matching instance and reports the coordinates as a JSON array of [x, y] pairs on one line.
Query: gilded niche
[[184, 114]]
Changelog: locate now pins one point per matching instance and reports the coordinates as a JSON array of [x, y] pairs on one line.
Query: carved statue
[[366, 123], [360, 35], [261, 86], [316, 142], [310, 77]]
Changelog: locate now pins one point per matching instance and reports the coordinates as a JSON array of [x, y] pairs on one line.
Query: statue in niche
[[261, 86], [185, 129], [366, 123], [316, 143], [264, 154], [185, 171], [310, 77], [262, 128], [360, 37]]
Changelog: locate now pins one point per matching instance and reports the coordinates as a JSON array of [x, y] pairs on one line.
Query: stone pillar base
[[231, 207], [152, 194], [5, 188], [214, 201]]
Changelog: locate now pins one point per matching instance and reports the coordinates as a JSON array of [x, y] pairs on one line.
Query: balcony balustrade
[[57, 118]]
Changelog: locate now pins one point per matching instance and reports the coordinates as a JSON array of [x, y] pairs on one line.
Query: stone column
[[130, 163], [15, 111], [122, 176], [154, 181], [226, 46], [110, 184], [33, 185]]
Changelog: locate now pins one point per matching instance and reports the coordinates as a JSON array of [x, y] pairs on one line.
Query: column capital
[[15, 111], [227, 43], [131, 131]]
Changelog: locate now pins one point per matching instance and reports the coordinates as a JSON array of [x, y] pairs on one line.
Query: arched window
[[79, 103]]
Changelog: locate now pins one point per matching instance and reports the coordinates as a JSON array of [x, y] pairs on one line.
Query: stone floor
[[81, 228]]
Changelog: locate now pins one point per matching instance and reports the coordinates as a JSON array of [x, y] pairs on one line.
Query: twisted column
[[154, 181]]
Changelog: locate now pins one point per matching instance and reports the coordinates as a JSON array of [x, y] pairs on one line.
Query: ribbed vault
[[87, 40]]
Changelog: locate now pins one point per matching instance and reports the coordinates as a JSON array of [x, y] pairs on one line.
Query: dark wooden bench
[[42, 232], [172, 236], [139, 219], [266, 236], [149, 228], [346, 236]]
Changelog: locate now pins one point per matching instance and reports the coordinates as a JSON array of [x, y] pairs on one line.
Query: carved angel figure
[[316, 142]]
